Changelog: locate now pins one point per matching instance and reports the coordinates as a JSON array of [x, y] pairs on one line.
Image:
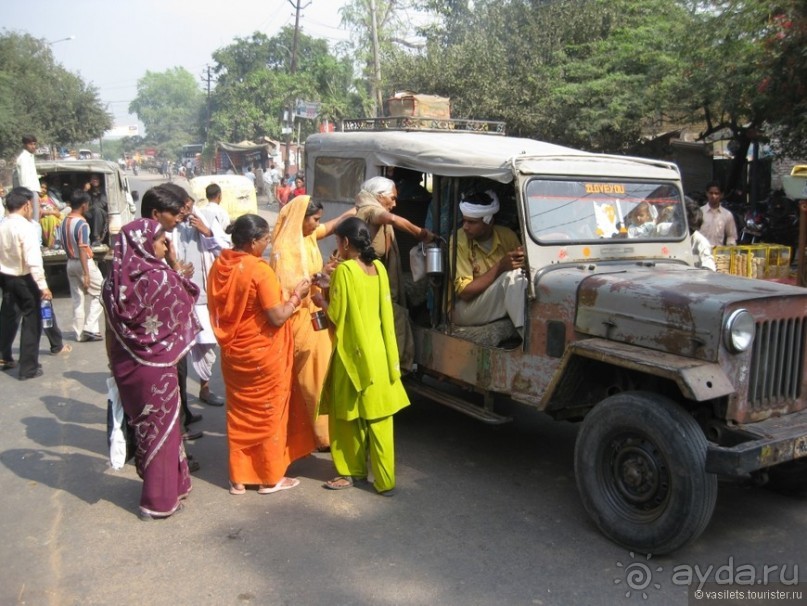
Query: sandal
[[339, 483], [283, 484], [66, 348], [237, 488]]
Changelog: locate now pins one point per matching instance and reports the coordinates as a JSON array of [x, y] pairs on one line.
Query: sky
[[116, 41]]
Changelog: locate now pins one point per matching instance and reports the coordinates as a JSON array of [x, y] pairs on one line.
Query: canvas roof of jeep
[[77, 166], [452, 154]]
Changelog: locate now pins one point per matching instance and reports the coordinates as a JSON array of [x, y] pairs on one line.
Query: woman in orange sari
[[295, 255], [266, 430]]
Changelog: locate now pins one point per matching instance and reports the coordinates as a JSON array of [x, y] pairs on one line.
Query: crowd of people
[[185, 282], [290, 390]]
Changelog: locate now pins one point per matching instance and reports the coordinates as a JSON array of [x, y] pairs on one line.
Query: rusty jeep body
[[677, 374]]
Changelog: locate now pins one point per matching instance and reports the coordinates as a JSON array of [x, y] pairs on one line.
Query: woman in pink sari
[[151, 325]]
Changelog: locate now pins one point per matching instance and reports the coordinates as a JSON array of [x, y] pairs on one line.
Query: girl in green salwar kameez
[[363, 387]]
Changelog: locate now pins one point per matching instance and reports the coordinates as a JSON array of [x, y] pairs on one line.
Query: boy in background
[[701, 248], [82, 272]]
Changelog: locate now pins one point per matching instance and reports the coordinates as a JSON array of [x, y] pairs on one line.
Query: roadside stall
[[237, 156], [772, 261]]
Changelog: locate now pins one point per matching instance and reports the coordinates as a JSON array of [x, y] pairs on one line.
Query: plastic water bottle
[[47, 314]]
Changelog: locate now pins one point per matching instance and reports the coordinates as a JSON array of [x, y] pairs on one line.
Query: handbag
[[417, 262], [120, 436]]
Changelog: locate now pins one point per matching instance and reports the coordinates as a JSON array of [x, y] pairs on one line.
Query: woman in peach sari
[[266, 430], [295, 255]]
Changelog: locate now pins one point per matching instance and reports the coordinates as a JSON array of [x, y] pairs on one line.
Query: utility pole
[[207, 79], [376, 59], [289, 123]]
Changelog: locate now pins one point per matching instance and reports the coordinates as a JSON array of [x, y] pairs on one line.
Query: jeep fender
[[698, 380]]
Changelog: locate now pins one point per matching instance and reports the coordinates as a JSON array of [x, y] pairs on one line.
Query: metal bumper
[[773, 441]]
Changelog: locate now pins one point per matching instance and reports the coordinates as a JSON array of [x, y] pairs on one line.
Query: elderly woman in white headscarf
[[488, 281], [374, 204]]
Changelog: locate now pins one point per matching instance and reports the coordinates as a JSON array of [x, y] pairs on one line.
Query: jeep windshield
[[559, 211]]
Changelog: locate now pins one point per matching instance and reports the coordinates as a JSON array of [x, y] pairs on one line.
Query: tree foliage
[[392, 27], [255, 85], [40, 97], [603, 74], [594, 81], [748, 70], [170, 105]]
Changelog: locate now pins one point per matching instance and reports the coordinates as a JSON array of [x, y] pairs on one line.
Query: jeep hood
[[676, 309]]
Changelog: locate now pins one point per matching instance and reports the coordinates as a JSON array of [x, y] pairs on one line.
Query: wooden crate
[[778, 265], [408, 104], [749, 260], [722, 255]]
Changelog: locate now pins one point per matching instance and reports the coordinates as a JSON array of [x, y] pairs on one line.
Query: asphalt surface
[[483, 515]]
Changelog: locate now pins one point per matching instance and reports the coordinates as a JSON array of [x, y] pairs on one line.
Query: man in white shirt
[[25, 172], [198, 242], [213, 212], [718, 222], [24, 286], [274, 180]]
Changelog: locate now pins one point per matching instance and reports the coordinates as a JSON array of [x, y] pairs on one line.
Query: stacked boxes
[[778, 261], [722, 255], [753, 260]]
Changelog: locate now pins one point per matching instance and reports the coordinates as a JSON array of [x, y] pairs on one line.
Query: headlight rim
[[732, 325]]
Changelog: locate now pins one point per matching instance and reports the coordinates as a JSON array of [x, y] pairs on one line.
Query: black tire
[[639, 463]]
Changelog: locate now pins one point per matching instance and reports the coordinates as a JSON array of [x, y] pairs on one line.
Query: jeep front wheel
[[639, 462]]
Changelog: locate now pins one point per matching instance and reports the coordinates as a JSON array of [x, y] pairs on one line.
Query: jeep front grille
[[776, 362]]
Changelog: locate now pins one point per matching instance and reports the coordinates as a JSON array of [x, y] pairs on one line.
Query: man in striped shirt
[[82, 272]]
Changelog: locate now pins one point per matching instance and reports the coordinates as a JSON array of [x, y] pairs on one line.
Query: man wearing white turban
[[488, 282]]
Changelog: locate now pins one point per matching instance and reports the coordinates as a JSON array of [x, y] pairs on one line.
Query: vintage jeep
[[679, 375], [64, 176]]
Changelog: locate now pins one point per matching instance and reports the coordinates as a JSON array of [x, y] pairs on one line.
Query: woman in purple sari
[[150, 326]]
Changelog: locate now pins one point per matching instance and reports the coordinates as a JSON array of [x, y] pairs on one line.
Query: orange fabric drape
[[266, 430], [293, 258]]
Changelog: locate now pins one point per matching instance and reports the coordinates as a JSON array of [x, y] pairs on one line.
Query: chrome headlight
[[738, 332]]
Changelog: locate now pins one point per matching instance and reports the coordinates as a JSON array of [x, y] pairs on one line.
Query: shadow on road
[[84, 476]]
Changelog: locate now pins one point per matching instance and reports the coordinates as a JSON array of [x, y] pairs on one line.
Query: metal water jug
[[434, 260]]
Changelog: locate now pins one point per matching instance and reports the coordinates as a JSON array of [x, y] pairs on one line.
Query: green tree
[[595, 81], [619, 69], [254, 85], [40, 97], [617, 83], [170, 105], [369, 50], [748, 74]]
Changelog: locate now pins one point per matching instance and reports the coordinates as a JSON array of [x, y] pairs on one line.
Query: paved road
[[483, 516]]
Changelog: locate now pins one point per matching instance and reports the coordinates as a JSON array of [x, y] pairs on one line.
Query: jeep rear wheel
[[640, 470]]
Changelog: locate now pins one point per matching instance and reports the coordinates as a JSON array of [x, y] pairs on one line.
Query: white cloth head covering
[[378, 186], [481, 211]]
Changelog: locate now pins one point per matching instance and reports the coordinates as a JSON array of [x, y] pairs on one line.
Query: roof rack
[[422, 124]]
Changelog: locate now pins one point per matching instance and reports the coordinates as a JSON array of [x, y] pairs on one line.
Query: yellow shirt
[[473, 260]]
